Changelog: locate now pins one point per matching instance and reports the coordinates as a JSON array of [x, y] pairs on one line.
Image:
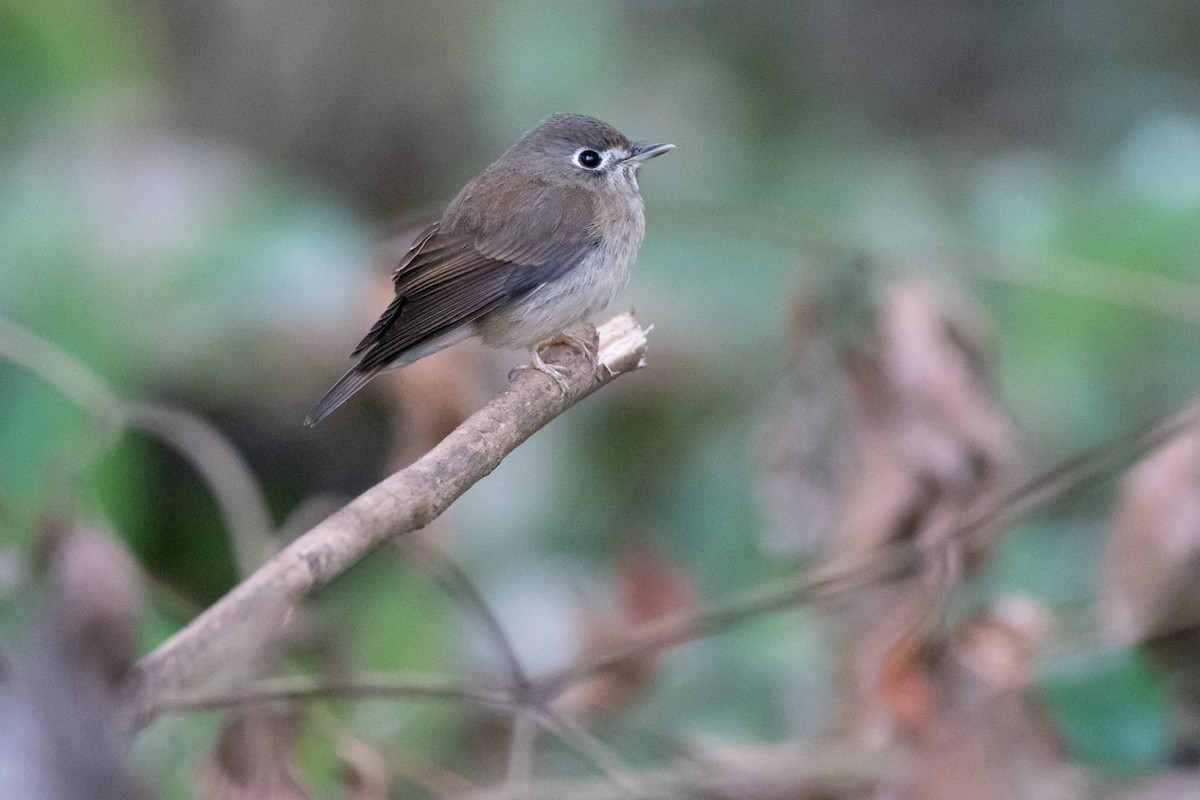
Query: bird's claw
[[586, 343]]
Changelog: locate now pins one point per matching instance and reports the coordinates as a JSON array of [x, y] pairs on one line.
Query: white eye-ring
[[589, 159]]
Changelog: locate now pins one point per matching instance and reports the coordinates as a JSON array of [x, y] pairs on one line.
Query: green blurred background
[[192, 194]]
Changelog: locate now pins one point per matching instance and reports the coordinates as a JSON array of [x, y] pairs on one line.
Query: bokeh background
[[201, 201]]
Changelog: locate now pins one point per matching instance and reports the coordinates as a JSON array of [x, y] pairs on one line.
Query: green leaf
[[1113, 709]]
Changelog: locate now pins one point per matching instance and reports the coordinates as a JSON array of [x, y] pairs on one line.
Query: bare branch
[[777, 596], [678, 628], [394, 686], [519, 775], [404, 502], [596, 752], [1164, 296], [762, 773]]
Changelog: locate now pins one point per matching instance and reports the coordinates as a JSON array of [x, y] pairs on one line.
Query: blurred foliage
[[53, 50], [1114, 710], [192, 191]]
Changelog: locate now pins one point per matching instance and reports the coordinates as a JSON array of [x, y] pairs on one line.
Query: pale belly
[[575, 297]]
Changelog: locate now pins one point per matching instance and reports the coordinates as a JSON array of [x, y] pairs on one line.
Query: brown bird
[[541, 240]]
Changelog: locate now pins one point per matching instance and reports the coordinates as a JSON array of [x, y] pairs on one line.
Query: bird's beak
[[645, 152]]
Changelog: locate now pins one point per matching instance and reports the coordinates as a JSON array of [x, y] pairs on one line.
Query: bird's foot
[[582, 339]]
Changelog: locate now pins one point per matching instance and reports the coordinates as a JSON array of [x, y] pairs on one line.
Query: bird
[[539, 242]]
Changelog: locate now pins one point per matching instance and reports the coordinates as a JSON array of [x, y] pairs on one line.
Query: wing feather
[[451, 277], [455, 274]]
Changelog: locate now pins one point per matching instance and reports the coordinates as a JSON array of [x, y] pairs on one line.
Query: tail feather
[[354, 379], [358, 376]]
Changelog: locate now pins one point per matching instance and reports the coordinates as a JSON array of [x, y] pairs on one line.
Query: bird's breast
[[581, 291]]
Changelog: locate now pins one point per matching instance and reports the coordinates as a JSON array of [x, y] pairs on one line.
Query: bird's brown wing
[[385, 319], [450, 278]]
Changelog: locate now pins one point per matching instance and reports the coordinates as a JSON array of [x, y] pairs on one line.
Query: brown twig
[[519, 775], [252, 614], [765, 779], [761, 773], [458, 584], [1162, 295], [576, 736], [410, 686]]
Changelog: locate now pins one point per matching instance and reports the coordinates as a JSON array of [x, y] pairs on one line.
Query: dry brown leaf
[[932, 443], [254, 758], [1151, 579], [930, 448], [998, 752], [96, 599], [364, 769], [891, 393], [650, 587], [999, 647], [1150, 585], [979, 734], [906, 685]]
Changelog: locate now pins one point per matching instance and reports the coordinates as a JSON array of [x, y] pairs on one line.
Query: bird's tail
[[354, 379], [358, 376]]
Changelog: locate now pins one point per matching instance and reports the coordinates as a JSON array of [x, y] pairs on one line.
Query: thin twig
[[765, 771], [677, 629], [410, 686], [766, 599], [461, 588], [769, 598], [890, 563], [406, 501], [596, 752], [519, 776], [1161, 295]]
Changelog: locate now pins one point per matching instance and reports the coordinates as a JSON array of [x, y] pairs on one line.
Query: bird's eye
[[589, 159]]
